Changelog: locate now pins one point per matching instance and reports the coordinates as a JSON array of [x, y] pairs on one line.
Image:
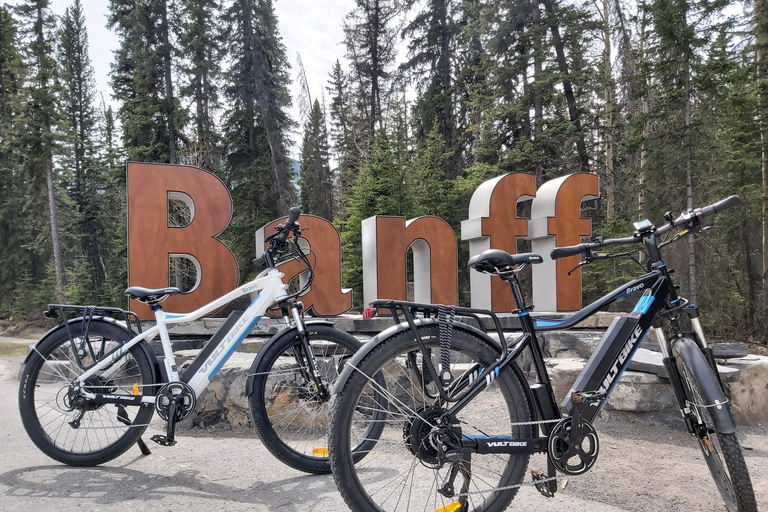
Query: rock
[[559, 344], [730, 350], [749, 394], [562, 374], [642, 392], [236, 403], [647, 361]]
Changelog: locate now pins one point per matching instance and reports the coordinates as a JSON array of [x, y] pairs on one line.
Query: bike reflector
[[369, 313]]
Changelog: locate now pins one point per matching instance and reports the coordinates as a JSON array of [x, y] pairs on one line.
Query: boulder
[[642, 392], [749, 394], [563, 373]]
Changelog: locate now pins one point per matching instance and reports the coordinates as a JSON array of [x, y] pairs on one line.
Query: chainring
[[181, 394], [573, 456]]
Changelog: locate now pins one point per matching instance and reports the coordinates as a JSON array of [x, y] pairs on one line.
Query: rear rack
[[426, 372], [410, 310], [69, 312]]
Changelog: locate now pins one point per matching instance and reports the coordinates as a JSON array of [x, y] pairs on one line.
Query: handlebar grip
[[728, 202], [293, 216], [562, 252]]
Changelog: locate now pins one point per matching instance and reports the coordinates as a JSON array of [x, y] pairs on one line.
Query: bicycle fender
[[397, 329], [143, 344], [288, 331], [710, 389]]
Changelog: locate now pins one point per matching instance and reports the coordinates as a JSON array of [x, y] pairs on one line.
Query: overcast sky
[[312, 28]]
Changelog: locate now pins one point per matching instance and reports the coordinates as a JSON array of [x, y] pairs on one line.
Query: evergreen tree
[[39, 120], [316, 178], [141, 80], [349, 134], [370, 36], [14, 252], [432, 45], [433, 191], [87, 183], [200, 49], [256, 125]]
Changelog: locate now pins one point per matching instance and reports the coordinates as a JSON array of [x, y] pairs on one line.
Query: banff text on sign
[[492, 224]]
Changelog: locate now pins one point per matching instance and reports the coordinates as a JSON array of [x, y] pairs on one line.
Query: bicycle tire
[[393, 476], [290, 417], [48, 414], [732, 478]]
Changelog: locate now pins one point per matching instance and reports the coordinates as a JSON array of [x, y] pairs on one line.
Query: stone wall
[[637, 391]]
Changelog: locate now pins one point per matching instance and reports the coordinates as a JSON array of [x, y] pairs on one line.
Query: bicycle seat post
[[517, 293]]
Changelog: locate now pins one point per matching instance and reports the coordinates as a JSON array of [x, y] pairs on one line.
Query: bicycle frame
[[271, 289], [602, 371], [604, 368]]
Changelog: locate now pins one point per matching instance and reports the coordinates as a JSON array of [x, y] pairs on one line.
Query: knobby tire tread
[[28, 412], [701, 372]]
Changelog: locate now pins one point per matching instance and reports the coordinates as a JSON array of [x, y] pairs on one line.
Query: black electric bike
[[461, 419]]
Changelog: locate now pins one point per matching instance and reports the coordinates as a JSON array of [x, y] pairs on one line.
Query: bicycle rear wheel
[[402, 469], [289, 413], [721, 450], [61, 422]]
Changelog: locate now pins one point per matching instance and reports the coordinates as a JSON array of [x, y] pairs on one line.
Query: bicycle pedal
[[542, 487], [587, 396], [163, 440]]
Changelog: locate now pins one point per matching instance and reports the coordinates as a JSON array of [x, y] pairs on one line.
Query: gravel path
[[643, 466]]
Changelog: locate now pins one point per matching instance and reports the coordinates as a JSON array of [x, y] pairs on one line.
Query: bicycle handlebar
[[571, 250], [684, 218], [290, 225]]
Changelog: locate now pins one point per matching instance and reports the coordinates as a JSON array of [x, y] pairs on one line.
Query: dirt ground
[[646, 463], [32, 330]]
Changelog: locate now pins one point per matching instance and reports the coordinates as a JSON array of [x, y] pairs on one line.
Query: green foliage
[[486, 88], [316, 179], [148, 114]]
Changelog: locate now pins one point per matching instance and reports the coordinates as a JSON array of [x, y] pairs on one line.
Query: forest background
[[666, 100]]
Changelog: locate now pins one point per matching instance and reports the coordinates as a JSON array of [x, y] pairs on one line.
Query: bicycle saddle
[[496, 261], [150, 294]]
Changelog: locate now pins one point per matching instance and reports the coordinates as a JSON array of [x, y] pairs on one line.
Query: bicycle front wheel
[[405, 467], [61, 421], [721, 450], [290, 415]]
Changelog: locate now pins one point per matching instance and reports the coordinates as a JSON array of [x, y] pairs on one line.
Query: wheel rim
[[396, 475], [296, 411], [76, 426]]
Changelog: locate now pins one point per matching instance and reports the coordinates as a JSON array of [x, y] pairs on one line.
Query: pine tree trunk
[[610, 183], [538, 109], [58, 259], [375, 93], [170, 107], [570, 97], [692, 281], [645, 109], [61, 279], [761, 34]]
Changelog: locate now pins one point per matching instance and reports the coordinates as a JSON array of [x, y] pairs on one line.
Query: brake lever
[[581, 264]]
